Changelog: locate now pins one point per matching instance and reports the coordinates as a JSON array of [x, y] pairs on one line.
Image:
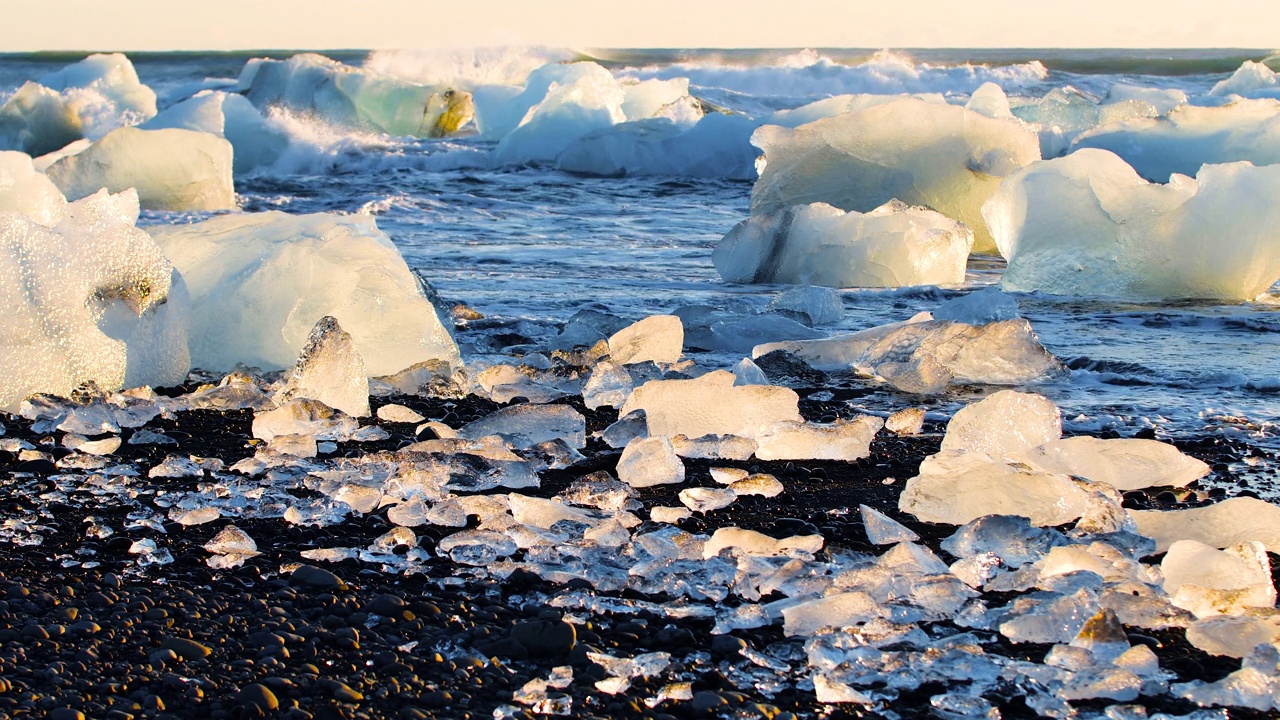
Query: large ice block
[[27, 192], [891, 246], [717, 146], [1220, 525], [171, 169], [940, 156], [650, 461], [254, 140], [1123, 463], [712, 405], [1208, 581], [657, 338], [584, 99], [846, 440], [1086, 224], [1004, 424], [260, 282], [92, 299], [957, 487]]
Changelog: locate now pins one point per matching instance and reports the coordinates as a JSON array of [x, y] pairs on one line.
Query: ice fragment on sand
[[1125, 464], [303, 446], [231, 547], [884, 530], [1234, 636], [394, 413], [657, 338], [476, 547], [955, 488], [711, 405], [1208, 581], [527, 425], [751, 542], [891, 246], [303, 416], [1004, 424], [650, 461], [846, 440], [195, 516], [761, 484], [833, 611], [1246, 687], [261, 281], [941, 156], [724, 447], [823, 306], [671, 515], [704, 500], [27, 192], [1086, 224], [93, 299], [906, 422], [1221, 525], [608, 385], [329, 370]]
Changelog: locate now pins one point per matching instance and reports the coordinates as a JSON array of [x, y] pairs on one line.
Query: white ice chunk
[[93, 299], [1123, 463], [1163, 100], [232, 539], [723, 447], [940, 156], [329, 370], [27, 192], [650, 461], [822, 305], [657, 338], [527, 425], [394, 413], [609, 385], [1234, 636], [1249, 78], [588, 100], [704, 499], [906, 422], [670, 515], [990, 100], [890, 246], [1086, 224], [748, 373], [1208, 581], [751, 542], [1061, 115], [1004, 424], [1220, 525], [711, 405], [846, 440], [302, 416], [956, 487], [261, 281], [884, 530], [980, 307], [254, 140], [717, 146], [171, 169], [833, 611]]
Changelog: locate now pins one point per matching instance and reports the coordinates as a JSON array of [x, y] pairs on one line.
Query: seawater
[[528, 246]]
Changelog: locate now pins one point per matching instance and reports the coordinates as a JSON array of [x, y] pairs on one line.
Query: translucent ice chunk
[[956, 488], [671, 515], [585, 97], [650, 461], [884, 530], [1090, 209], [1011, 538], [980, 307], [527, 425], [891, 246], [724, 447], [255, 141], [609, 385], [906, 422], [941, 156], [1246, 687], [711, 405], [1250, 77], [761, 484], [846, 440], [476, 547], [1125, 464], [1208, 581], [394, 413], [657, 338], [833, 611], [37, 120], [754, 543], [823, 306], [1003, 424], [304, 417], [329, 370], [27, 192], [748, 373], [261, 281], [1234, 636], [1220, 525], [704, 500], [232, 539]]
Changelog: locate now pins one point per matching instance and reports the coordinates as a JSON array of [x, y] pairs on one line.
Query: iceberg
[[171, 169], [712, 405], [891, 246], [260, 282], [36, 120], [254, 140], [27, 192], [943, 157], [1087, 224], [91, 300], [355, 98]]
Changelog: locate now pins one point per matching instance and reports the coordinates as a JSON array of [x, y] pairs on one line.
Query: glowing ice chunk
[[329, 370], [846, 440], [751, 542], [1208, 581], [303, 416], [711, 405], [1221, 525], [1125, 464], [657, 338], [27, 192], [884, 530], [956, 488], [1004, 424], [527, 425], [1235, 636], [704, 500], [650, 461], [906, 422]]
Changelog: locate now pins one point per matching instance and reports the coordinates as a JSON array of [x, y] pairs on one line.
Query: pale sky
[[413, 24]]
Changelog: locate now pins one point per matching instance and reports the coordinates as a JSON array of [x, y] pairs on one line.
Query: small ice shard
[[891, 246], [302, 445], [980, 307], [303, 416], [149, 553], [1208, 581], [599, 490], [629, 426], [711, 405], [884, 530], [261, 281], [822, 305], [650, 461], [748, 373], [1235, 636], [751, 542], [609, 385], [704, 500], [1090, 210], [398, 536], [394, 413], [1220, 525], [360, 498], [657, 338], [833, 611], [527, 425], [105, 446], [170, 169], [954, 706], [722, 447], [1103, 636], [761, 484], [906, 422], [504, 383], [476, 547], [846, 440], [728, 476], [1247, 687], [195, 516], [232, 540], [1003, 424], [329, 370], [1125, 464], [1051, 618], [955, 488], [943, 156], [738, 331], [144, 436], [411, 513], [25, 191], [671, 515]]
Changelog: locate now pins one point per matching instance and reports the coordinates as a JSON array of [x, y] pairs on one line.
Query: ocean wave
[[467, 68]]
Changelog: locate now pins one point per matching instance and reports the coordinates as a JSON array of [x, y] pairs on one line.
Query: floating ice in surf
[[717, 146], [657, 338], [1220, 525], [1251, 79], [255, 141], [355, 98], [821, 305], [527, 425], [170, 169], [980, 307], [650, 461], [712, 405], [846, 440], [93, 299], [1086, 224], [1059, 116], [585, 97], [1208, 581], [925, 356], [1125, 464], [27, 192], [261, 281], [1004, 424], [940, 156], [737, 332], [329, 370], [891, 246]]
